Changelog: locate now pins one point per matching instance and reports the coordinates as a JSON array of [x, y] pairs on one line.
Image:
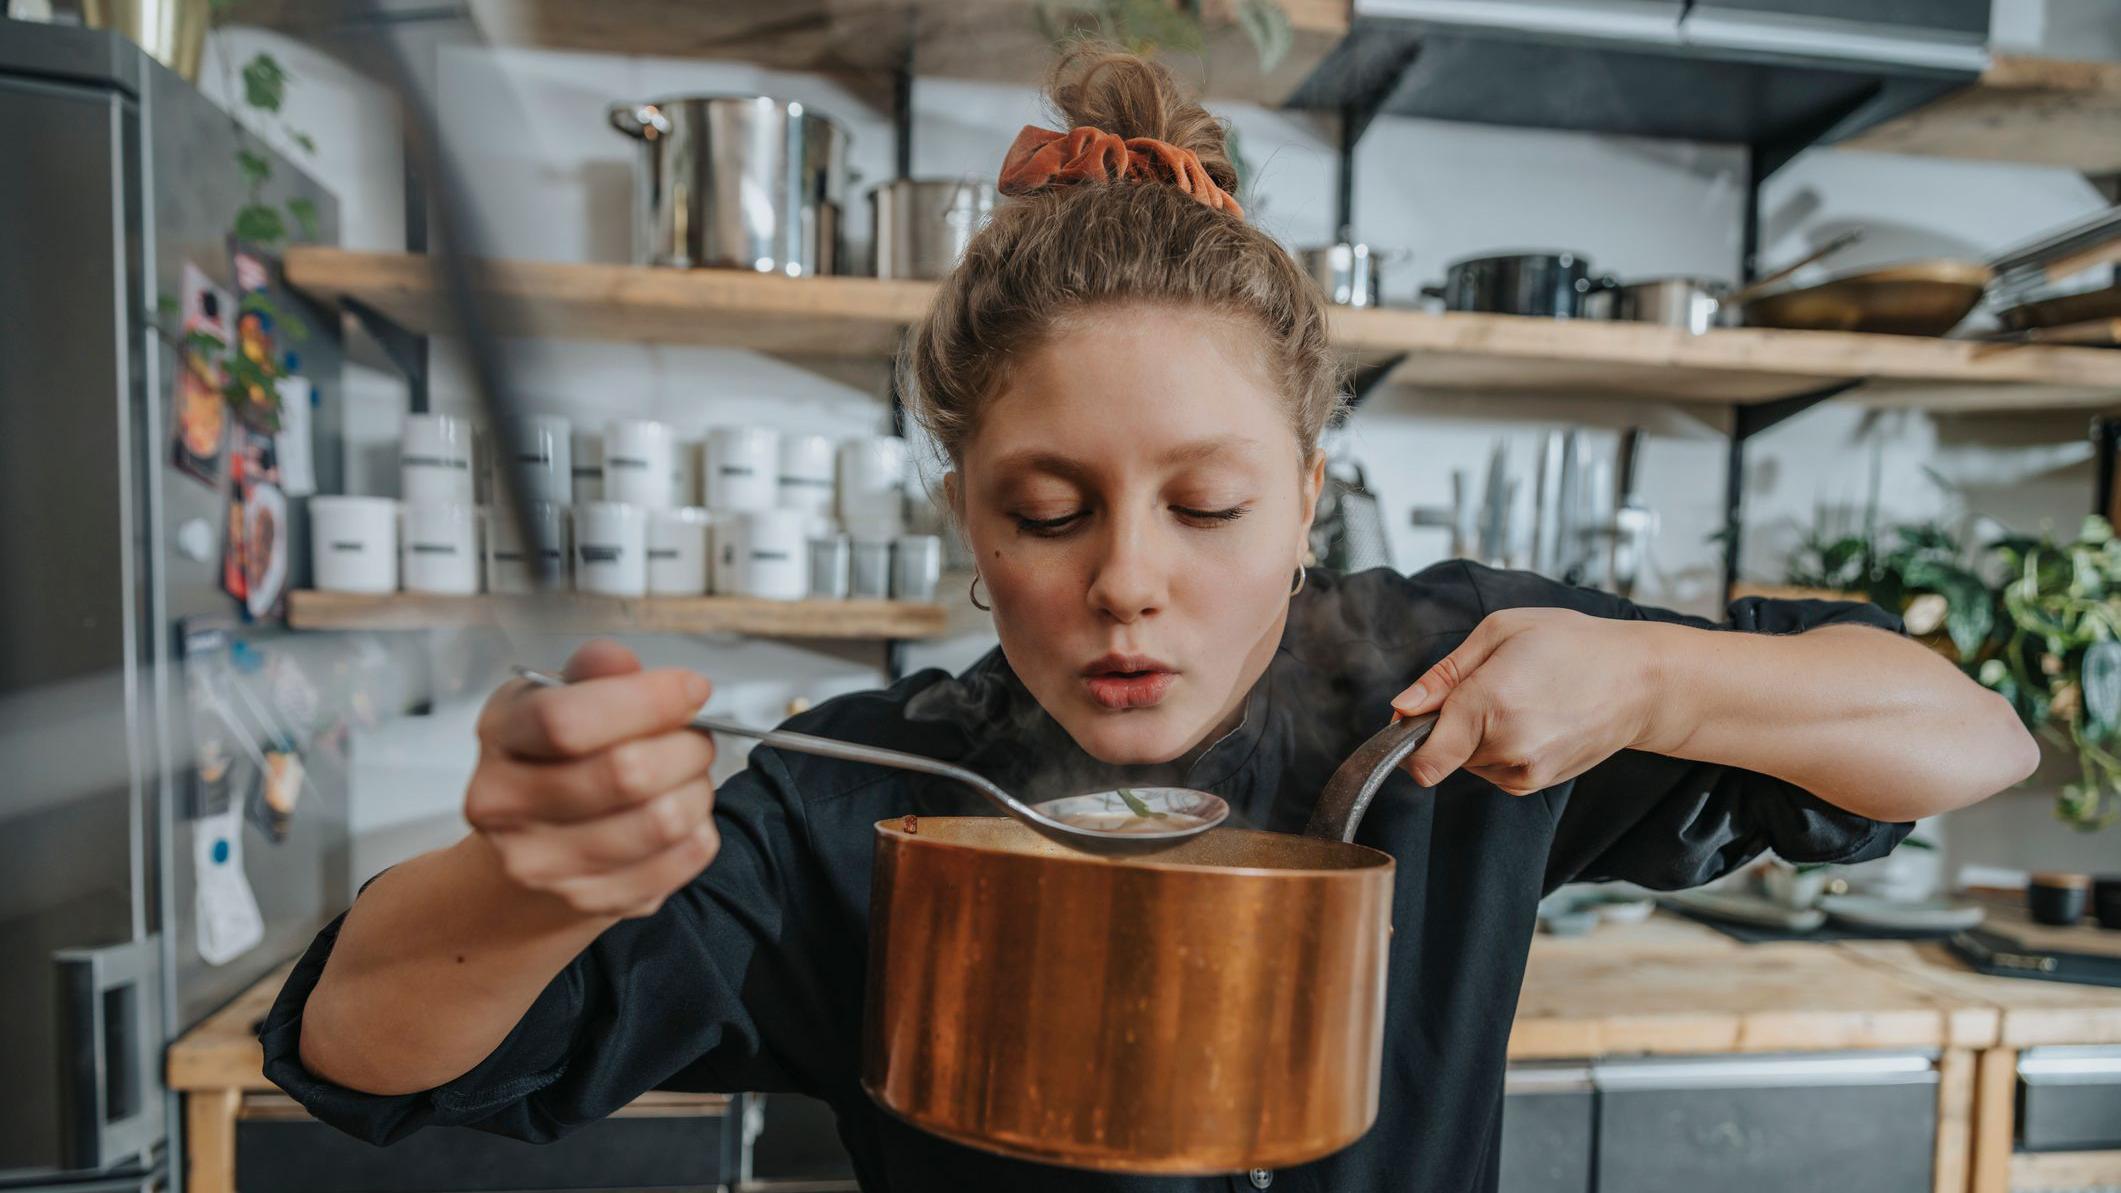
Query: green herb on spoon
[[1135, 805]]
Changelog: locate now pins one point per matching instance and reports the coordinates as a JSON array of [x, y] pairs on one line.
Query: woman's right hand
[[597, 794]]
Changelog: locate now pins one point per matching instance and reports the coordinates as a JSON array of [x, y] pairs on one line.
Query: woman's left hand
[[1534, 697]]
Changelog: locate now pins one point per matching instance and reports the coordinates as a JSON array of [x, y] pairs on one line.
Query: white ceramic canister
[[678, 551], [778, 546], [829, 562], [540, 450], [685, 478], [588, 467], [510, 566], [639, 456], [872, 475], [869, 569], [916, 567], [743, 469], [610, 548], [353, 544], [434, 459], [806, 481], [440, 547]]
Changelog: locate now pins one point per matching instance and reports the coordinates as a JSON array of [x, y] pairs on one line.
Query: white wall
[[552, 182]]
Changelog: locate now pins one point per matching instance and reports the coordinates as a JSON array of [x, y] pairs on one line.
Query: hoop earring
[[972, 591], [1300, 575]]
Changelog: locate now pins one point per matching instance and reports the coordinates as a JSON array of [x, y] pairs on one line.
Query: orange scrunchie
[[1040, 157]]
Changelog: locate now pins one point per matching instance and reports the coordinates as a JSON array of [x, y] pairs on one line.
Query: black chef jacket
[[751, 977]]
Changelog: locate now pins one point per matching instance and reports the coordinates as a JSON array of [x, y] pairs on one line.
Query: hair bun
[[1104, 87]]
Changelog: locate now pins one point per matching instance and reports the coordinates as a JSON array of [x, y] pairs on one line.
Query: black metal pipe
[[1351, 130]]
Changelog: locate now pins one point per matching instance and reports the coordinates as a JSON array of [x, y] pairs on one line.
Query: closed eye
[[1210, 517], [1050, 527]]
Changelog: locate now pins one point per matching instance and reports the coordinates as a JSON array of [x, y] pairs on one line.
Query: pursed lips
[[1127, 681]]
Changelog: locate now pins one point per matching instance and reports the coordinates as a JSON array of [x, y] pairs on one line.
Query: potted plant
[[2056, 656], [1916, 570]]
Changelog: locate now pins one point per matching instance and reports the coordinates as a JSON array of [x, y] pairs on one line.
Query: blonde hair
[[1058, 252]]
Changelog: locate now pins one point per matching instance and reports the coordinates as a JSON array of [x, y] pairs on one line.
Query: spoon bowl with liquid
[[1128, 820]]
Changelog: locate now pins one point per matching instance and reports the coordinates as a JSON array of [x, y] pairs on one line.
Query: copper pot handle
[[1348, 794]]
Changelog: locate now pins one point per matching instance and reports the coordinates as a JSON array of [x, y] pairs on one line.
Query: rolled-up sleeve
[[1669, 823], [719, 990]]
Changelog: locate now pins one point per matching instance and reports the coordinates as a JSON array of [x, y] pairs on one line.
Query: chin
[[1144, 737]]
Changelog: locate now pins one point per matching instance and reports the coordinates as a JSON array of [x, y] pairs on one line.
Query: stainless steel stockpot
[[736, 182]]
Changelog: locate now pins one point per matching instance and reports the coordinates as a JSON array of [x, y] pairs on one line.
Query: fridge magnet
[[278, 791], [254, 561], [198, 414], [298, 469], [255, 392], [225, 911], [205, 307], [264, 551], [234, 575]]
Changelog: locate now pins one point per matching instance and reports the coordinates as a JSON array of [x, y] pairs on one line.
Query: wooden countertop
[[1670, 985], [1664, 986]]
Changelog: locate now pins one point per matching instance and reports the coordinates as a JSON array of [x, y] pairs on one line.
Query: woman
[[1130, 382]]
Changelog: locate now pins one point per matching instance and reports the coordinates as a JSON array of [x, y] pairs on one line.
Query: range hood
[[1773, 74]]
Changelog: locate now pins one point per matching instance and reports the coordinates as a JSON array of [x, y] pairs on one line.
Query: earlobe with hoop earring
[[972, 591], [1301, 574]]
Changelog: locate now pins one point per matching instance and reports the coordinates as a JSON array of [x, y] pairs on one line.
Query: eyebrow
[[1034, 460]]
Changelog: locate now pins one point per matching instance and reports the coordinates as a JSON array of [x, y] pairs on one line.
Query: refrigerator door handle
[[110, 1072]]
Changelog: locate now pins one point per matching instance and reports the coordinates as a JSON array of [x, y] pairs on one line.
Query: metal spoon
[[1073, 821]]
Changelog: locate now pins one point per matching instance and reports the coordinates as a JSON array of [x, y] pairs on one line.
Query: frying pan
[[1919, 298]]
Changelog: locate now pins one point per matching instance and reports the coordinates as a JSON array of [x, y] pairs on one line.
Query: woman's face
[[1135, 502]]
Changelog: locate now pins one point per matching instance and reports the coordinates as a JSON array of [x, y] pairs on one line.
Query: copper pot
[[1215, 1007]]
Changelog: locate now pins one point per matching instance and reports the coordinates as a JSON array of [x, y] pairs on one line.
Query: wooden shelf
[[865, 317], [584, 613], [630, 303], [2024, 109], [862, 41]]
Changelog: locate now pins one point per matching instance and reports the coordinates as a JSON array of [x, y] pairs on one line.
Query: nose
[[1130, 581]]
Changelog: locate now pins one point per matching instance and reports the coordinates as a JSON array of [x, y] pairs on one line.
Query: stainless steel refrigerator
[[118, 183]]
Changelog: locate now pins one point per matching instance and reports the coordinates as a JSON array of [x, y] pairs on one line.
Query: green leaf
[[260, 224], [165, 304], [264, 83], [1136, 806], [204, 343], [256, 167], [292, 330], [307, 142], [305, 213], [2102, 686], [1269, 30], [1145, 26]]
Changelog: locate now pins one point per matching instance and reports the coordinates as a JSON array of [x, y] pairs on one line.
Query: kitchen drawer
[[2069, 1098], [1743, 1124], [660, 1143], [1547, 1119]]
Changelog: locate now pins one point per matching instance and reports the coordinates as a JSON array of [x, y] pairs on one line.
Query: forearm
[[1862, 718], [439, 958]]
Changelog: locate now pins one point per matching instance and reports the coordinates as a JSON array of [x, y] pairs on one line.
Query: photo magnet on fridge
[[198, 413]]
